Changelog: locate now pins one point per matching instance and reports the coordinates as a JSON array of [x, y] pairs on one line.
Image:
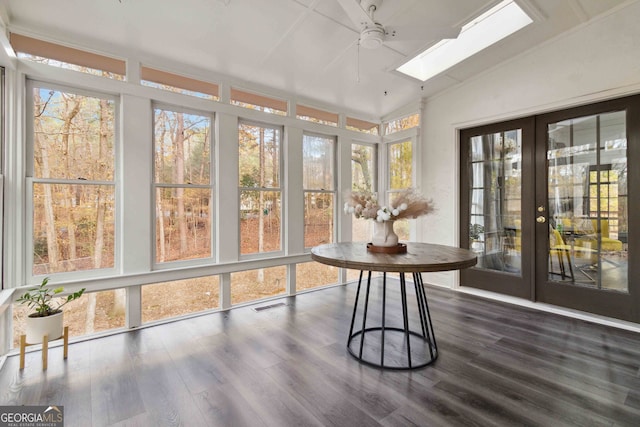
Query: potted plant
[[474, 235], [47, 316]]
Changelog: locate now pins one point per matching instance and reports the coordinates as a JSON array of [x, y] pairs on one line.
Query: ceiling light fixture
[[490, 27]]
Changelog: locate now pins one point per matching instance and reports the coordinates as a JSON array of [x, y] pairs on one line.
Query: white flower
[[403, 207], [395, 212]]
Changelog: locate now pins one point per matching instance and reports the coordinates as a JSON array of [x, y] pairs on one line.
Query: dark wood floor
[[287, 366]]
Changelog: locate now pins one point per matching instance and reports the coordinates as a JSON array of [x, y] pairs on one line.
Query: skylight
[[492, 26]]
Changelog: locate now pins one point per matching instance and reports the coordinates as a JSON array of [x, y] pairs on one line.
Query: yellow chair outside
[[607, 244]]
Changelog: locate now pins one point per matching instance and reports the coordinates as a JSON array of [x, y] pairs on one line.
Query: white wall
[[598, 60]]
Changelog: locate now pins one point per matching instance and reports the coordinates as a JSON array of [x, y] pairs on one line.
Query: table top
[[419, 258]]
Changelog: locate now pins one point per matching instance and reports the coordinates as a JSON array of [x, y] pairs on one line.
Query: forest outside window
[[183, 187], [73, 187], [318, 182], [259, 157]]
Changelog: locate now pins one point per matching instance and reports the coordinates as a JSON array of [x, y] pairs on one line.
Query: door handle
[[541, 219]]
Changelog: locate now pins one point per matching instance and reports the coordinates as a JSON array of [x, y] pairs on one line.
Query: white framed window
[[260, 185], [255, 101], [319, 186], [171, 82], [69, 58], [71, 177], [402, 123], [183, 184], [364, 176], [400, 160]]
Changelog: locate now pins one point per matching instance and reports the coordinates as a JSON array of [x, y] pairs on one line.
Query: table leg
[[364, 316], [384, 305], [355, 305], [405, 316], [431, 336]]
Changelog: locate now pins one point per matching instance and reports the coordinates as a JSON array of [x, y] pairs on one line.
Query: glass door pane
[[587, 201], [495, 194]]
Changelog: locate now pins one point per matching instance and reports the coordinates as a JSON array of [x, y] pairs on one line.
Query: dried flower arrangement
[[407, 204]]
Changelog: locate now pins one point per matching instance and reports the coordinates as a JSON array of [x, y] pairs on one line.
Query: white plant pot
[[38, 327], [383, 234]]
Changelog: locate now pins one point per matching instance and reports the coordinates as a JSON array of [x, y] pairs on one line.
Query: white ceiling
[[304, 48]]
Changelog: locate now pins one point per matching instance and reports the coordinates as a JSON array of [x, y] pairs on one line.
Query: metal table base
[[424, 350]]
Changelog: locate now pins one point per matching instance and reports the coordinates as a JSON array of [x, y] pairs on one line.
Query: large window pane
[[311, 275], [180, 297], [400, 165], [587, 188], [400, 178], [183, 196], [260, 194], [363, 179], [319, 194], [496, 204], [363, 172], [73, 188]]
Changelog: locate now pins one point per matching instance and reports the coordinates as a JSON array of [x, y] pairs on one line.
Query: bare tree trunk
[[99, 237], [89, 323], [182, 220], [162, 249], [53, 255]]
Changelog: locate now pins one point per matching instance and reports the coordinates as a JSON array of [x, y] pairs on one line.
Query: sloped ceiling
[[304, 48]]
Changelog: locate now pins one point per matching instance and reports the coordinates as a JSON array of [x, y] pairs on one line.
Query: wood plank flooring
[[498, 365]]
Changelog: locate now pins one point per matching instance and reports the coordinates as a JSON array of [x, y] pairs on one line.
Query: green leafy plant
[[475, 230], [41, 299]]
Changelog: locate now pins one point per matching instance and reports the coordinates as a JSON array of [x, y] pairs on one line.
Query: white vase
[[38, 327], [383, 234]]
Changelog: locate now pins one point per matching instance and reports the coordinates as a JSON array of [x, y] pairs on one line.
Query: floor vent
[[267, 307]]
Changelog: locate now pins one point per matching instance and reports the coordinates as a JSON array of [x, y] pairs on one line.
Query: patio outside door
[[547, 204]]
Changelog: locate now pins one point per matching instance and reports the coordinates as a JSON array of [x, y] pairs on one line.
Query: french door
[[547, 203]]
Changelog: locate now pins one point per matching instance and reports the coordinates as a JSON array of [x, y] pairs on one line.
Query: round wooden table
[[410, 348]]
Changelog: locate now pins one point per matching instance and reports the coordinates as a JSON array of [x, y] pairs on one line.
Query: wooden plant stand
[[45, 348]]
